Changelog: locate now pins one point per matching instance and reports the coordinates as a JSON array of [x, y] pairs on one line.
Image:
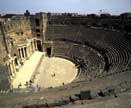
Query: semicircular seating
[[104, 52], [92, 62]]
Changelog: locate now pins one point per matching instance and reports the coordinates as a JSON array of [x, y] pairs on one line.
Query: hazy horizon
[[69, 6]]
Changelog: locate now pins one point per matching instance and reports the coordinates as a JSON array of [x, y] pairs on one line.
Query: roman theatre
[[65, 60]]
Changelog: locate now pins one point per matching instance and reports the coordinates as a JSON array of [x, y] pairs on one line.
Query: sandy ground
[[27, 70], [54, 72]]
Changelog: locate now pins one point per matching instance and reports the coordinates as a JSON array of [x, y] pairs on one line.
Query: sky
[[61, 6]]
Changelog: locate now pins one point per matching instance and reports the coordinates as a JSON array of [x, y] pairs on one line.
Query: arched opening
[[48, 51], [39, 46]]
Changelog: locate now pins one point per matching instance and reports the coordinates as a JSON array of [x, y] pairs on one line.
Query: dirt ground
[[54, 72]]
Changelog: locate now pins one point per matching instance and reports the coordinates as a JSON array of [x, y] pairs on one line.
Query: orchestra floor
[[54, 72]]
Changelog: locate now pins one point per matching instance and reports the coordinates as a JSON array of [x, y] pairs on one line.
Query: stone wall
[[17, 45], [4, 79], [39, 22]]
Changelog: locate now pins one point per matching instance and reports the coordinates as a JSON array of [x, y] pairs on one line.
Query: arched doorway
[[48, 51], [39, 45]]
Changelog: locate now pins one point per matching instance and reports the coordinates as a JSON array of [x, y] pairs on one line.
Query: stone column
[[25, 50], [31, 49], [28, 52], [35, 42], [14, 68], [33, 45], [11, 69]]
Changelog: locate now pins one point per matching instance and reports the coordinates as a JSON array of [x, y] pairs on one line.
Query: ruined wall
[[17, 36], [4, 79], [18, 28], [39, 22]]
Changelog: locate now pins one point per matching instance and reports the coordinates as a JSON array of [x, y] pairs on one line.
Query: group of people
[[29, 84]]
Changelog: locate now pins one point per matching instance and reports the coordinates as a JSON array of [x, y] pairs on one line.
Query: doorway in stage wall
[[48, 51], [39, 45]]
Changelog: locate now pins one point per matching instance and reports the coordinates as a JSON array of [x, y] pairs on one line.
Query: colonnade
[[12, 68], [26, 50], [24, 53]]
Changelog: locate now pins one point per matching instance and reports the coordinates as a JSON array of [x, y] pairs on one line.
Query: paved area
[[54, 72], [27, 70]]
